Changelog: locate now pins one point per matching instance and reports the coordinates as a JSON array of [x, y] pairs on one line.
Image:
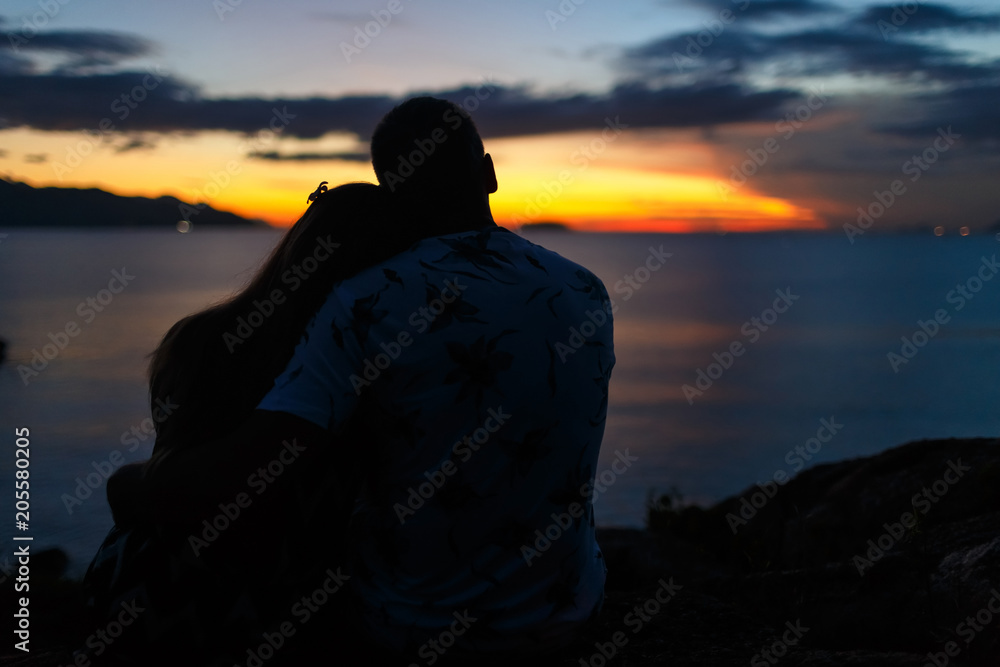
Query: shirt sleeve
[[321, 382]]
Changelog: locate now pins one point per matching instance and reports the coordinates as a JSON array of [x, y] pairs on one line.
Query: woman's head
[[217, 371], [329, 241]]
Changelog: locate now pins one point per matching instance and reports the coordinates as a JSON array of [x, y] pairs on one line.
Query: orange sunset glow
[[790, 116], [541, 179]]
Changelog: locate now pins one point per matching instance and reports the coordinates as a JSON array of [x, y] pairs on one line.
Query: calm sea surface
[[845, 308]]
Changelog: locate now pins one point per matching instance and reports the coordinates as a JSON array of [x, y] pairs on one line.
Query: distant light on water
[[939, 231], [183, 226]]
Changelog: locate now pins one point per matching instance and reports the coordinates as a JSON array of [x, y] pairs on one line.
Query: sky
[[660, 115]]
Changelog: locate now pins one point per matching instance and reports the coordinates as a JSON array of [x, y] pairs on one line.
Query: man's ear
[[489, 175]]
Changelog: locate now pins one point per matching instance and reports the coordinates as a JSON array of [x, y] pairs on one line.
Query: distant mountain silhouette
[[24, 206]]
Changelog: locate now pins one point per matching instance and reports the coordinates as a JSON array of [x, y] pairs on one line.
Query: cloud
[[89, 43], [59, 101], [765, 9], [134, 142], [87, 50], [11, 63], [827, 51], [890, 19], [516, 112], [152, 102], [969, 110], [855, 48], [36, 158], [312, 157]]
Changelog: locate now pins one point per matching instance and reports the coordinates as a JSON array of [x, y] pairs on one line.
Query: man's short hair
[[427, 146]]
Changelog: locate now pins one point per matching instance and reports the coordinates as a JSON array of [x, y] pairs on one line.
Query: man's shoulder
[[550, 259], [494, 254]]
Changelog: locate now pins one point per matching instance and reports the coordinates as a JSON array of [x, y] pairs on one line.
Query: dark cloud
[[970, 111], [152, 102], [36, 158], [89, 43], [890, 19], [830, 51], [814, 52], [69, 102], [11, 63], [86, 51], [515, 112], [765, 9], [135, 143], [312, 157], [687, 53]]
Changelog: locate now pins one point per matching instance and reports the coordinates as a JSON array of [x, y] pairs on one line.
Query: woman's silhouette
[[216, 365]]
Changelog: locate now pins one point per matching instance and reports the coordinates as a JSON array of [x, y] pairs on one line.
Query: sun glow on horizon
[[630, 184]]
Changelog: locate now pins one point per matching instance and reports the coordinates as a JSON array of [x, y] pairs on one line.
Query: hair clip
[[320, 190]]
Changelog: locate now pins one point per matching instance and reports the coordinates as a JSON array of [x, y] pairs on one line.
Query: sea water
[[740, 358]]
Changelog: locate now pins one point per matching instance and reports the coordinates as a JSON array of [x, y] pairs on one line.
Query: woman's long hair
[[214, 372]]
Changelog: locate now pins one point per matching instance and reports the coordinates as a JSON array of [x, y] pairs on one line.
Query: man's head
[[429, 150]]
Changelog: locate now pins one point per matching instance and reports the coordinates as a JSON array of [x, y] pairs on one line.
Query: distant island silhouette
[[545, 226], [25, 206]]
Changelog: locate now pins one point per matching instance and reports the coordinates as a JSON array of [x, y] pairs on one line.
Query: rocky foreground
[[892, 559]]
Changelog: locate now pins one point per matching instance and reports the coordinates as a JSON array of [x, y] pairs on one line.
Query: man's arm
[[183, 486]]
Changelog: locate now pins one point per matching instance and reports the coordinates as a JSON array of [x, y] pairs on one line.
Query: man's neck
[[454, 220]]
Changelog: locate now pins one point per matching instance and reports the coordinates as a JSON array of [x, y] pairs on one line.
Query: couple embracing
[[365, 472]]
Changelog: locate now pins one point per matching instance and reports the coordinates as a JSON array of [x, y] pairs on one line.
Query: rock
[[896, 553]]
